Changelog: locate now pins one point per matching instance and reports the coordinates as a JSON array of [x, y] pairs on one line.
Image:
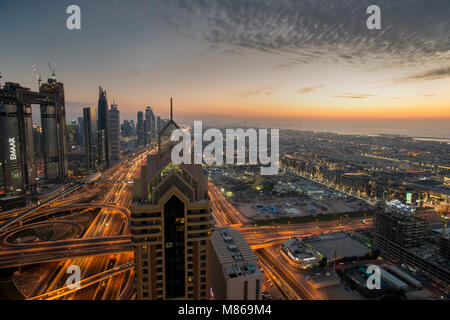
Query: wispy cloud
[[413, 31], [255, 92], [350, 95], [434, 74], [308, 89]]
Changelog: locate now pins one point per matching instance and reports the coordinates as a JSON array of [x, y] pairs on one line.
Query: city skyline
[[298, 62], [239, 151]]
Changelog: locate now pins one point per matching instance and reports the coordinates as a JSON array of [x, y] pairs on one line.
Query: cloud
[[434, 74], [349, 95], [412, 31], [256, 92], [308, 89]]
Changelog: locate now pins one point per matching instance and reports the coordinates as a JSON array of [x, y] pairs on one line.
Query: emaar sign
[[12, 149]]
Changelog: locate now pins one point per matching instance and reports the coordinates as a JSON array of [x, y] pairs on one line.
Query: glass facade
[[174, 248]]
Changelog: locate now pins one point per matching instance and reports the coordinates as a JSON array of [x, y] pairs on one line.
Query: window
[[245, 290], [258, 284]]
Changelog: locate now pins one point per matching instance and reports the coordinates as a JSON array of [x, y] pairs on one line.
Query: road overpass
[[20, 255], [55, 294]]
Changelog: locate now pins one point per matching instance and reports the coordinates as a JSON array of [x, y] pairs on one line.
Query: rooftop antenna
[[52, 71], [171, 110], [1, 79], [38, 76]]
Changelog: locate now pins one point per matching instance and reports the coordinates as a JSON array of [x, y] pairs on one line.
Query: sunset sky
[[259, 60]]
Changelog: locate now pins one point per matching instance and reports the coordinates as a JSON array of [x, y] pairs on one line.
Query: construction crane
[[52, 71], [38, 76]]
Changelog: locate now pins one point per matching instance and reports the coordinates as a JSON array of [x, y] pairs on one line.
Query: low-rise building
[[234, 267]]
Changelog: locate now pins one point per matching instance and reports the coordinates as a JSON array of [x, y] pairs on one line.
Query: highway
[[105, 244], [107, 224], [264, 240], [84, 283], [224, 213]]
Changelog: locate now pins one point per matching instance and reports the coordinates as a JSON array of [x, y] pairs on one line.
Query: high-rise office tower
[[103, 129], [17, 168], [132, 129], [140, 128], [158, 124], [126, 128], [114, 132], [149, 125], [80, 131], [90, 138], [235, 267], [170, 227], [18, 172], [53, 121]]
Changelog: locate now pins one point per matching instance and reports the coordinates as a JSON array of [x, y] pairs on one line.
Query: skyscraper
[[80, 131], [158, 124], [53, 121], [140, 128], [103, 129], [149, 125], [114, 132], [132, 129], [17, 169], [90, 138], [170, 227]]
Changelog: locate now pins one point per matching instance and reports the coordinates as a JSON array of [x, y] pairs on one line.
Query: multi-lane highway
[[104, 246], [263, 239]]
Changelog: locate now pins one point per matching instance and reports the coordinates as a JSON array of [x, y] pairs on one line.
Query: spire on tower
[[171, 110]]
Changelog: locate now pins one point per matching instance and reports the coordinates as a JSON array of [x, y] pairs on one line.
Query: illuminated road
[[108, 223], [224, 213], [262, 239], [58, 250], [59, 293]]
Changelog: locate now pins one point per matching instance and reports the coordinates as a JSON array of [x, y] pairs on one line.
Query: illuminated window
[[169, 244]]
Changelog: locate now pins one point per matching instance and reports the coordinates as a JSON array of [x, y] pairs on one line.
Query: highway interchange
[[104, 252]]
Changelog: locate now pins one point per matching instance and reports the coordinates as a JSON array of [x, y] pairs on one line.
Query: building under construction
[[17, 159], [404, 237]]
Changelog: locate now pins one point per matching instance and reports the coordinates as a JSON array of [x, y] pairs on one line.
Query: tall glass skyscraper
[[103, 129]]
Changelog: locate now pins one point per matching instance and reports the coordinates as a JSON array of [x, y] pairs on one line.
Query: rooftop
[[344, 245]]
